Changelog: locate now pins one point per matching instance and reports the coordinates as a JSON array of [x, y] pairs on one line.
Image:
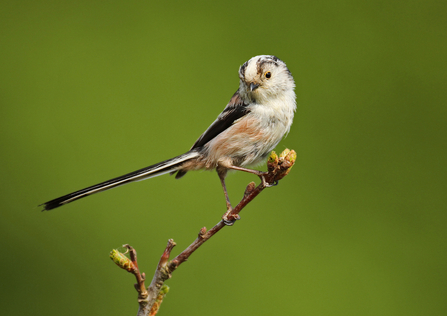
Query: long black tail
[[158, 169]]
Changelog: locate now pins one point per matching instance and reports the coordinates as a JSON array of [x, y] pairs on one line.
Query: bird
[[257, 117]]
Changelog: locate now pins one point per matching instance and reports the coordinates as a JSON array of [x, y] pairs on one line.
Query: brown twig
[[150, 299], [161, 274], [278, 168]]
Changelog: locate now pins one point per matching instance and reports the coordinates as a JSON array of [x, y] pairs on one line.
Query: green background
[[90, 90]]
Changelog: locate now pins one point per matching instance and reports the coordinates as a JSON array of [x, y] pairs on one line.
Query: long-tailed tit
[[257, 117]]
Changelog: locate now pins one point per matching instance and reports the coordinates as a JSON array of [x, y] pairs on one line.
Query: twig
[[149, 299], [278, 168]]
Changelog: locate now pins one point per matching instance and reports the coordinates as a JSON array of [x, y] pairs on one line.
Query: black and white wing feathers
[[234, 110]]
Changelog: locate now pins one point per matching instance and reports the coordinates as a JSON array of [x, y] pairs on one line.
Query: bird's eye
[[268, 74]]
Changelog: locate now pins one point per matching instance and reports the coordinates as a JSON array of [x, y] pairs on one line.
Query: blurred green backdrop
[[90, 90]]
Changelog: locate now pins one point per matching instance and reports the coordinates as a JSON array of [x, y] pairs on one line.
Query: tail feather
[[167, 166]]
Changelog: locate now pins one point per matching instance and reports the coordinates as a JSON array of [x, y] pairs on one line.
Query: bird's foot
[[228, 218], [266, 184], [230, 222]]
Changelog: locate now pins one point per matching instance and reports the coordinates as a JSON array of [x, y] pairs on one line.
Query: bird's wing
[[234, 110]]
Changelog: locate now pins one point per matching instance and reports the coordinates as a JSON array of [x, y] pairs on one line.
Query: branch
[[150, 298]]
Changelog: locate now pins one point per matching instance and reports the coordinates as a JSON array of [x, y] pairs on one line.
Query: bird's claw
[[265, 183], [230, 221]]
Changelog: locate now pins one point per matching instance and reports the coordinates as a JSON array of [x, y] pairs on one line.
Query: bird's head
[[264, 77]]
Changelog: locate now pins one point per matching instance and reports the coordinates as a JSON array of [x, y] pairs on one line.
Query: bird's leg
[[260, 174], [222, 173], [227, 199]]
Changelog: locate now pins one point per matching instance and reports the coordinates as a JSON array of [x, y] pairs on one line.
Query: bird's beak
[[253, 86]]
